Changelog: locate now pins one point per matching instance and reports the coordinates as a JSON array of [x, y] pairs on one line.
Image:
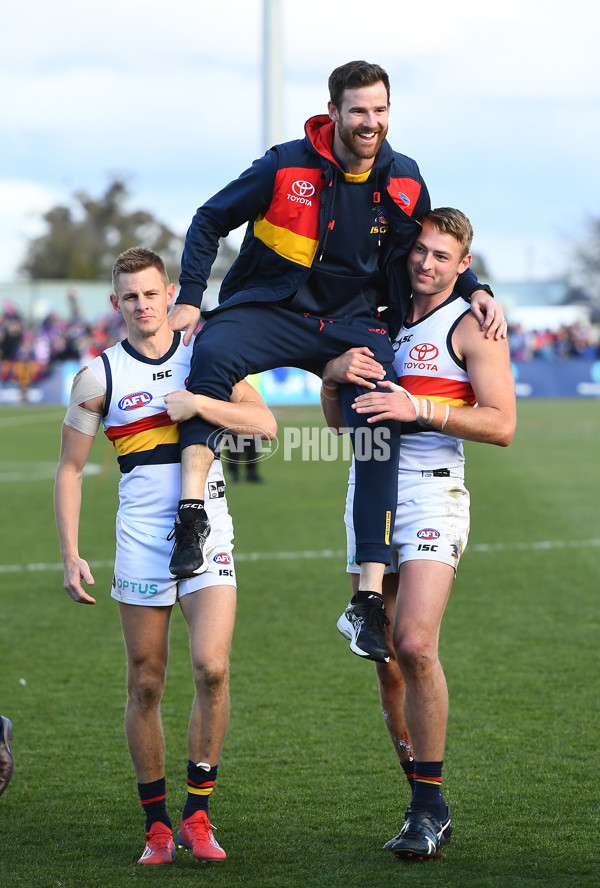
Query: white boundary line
[[313, 555], [13, 472], [33, 419]]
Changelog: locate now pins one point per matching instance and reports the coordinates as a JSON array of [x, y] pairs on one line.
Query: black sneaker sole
[[415, 855], [188, 574]]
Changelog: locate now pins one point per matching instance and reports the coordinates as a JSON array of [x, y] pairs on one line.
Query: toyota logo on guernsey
[[425, 351], [135, 400], [303, 191], [422, 357]]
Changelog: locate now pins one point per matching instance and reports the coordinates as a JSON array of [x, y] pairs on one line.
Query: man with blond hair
[[453, 383], [136, 391]]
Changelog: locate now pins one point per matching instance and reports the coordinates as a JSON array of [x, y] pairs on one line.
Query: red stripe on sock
[[201, 785]]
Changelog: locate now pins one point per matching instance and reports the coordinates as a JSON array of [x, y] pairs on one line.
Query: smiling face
[[143, 298], [434, 263], [361, 125]]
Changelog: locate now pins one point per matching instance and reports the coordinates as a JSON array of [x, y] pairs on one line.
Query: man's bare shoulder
[[469, 336]]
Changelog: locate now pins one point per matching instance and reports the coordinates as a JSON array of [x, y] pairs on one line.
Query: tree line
[[82, 239]]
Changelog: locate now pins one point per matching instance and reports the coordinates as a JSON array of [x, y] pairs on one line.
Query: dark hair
[[137, 259], [355, 74], [451, 221]]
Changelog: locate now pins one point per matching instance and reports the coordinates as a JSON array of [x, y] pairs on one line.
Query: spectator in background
[[11, 334], [568, 342], [29, 350], [241, 451]]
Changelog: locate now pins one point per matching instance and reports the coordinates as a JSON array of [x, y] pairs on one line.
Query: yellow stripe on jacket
[[294, 247]]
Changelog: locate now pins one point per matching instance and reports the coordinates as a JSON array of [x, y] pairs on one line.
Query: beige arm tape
[[85, 387], [429, 413]]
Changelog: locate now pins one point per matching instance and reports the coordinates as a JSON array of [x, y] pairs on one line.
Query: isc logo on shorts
[[428, 533], [222, 558], [135, 400]]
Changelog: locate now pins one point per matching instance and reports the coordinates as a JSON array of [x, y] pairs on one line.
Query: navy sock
[[408, 767], [363, 595], [153, 797], [427, 793], [200, 783]]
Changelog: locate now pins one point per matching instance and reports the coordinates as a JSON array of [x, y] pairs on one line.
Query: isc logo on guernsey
[[135, 400]]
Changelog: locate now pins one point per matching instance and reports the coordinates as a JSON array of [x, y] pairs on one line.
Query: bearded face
[[361, 125]]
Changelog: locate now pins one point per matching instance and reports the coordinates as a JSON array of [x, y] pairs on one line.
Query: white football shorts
[[432, 521], [142, 565]]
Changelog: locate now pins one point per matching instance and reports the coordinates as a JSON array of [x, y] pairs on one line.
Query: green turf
[[309, 788]]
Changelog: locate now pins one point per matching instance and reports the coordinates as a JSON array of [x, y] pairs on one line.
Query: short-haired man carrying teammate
[[130, 390], [455, 384]]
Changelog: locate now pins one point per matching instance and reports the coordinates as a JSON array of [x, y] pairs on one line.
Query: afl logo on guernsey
[[135, 400], [404, 198], [428, 533], [222, 558]]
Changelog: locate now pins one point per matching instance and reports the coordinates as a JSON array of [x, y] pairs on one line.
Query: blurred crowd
[[28, 351], [572, 341]]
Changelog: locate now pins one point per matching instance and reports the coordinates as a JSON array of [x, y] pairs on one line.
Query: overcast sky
[[497, 100]]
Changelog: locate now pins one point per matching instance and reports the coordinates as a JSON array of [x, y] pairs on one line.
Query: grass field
[[309, 787]]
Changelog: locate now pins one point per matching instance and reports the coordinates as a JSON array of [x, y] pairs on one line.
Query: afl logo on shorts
[[428, 533], [135, 400], [222, 558]]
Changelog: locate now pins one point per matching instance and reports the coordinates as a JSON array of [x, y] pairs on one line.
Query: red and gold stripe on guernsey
[[290, 226], [145, 434], [445, 391]]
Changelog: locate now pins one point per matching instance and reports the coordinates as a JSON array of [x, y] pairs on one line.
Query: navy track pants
[[251, 338]]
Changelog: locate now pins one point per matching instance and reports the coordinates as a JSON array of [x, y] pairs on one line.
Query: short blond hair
[[451, 221], [137, 259]]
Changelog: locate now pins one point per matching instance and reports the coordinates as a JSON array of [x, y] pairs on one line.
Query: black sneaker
[[363, 624], [421, 838], [189, 555]]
